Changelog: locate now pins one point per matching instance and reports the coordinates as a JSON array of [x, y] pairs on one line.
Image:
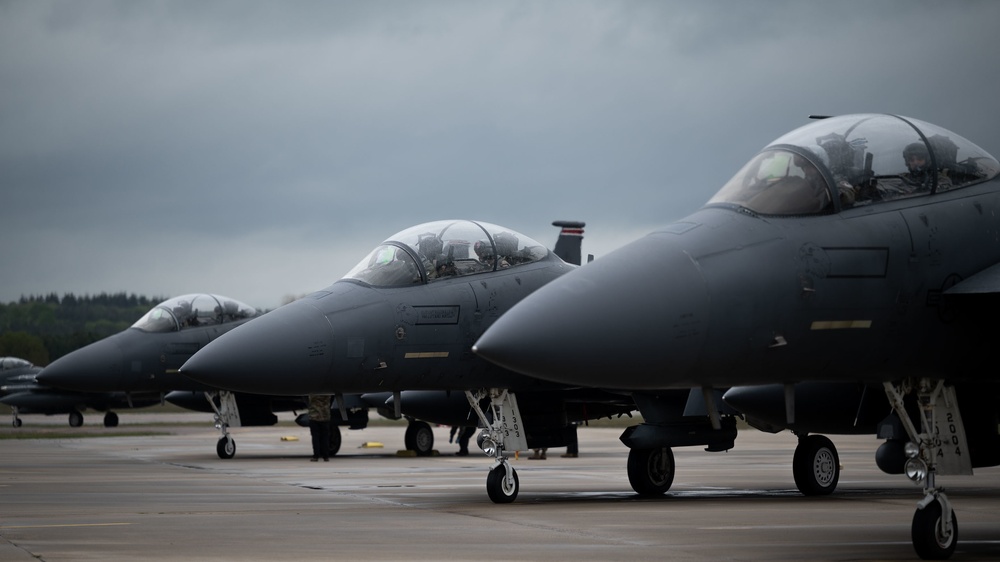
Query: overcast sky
[[260, 149]]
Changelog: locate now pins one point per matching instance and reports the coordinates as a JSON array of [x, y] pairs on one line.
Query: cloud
[[301, 135]]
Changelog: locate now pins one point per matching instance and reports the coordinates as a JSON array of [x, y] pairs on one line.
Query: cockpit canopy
[[188, 311], [10, 363], [853, 160], [444, 249]]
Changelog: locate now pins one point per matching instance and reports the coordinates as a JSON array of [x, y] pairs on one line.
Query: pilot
[[487, 256], [443, 267], [918, 178], [917, 162]]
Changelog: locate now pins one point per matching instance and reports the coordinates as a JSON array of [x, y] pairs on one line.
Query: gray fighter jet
[[860, 248], [25, 395], [144, 360], [405, 319]]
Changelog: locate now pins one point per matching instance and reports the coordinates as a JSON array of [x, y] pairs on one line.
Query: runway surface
[[169, 497]]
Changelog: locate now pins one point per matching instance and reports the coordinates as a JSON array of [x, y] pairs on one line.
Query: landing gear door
[[952, 455], [514, 438]]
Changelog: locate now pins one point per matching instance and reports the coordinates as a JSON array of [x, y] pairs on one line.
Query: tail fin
[[570, 240]]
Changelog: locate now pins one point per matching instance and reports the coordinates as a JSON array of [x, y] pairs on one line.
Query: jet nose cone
[[93, 368], [286, 351], [635, 304]]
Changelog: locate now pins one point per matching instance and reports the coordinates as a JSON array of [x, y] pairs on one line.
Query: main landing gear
[[504, 433], [939, 447], [16, 421], [651, 471], [816, 465], [419, 438]]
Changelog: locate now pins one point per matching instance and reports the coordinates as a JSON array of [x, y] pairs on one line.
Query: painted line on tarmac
[[4, 527]]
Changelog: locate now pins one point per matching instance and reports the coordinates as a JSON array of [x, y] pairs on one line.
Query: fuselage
[[147, 356], [353, 337], [404, 318], [732, 296]]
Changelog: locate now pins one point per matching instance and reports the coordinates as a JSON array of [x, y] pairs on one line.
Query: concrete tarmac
[[169, 497]]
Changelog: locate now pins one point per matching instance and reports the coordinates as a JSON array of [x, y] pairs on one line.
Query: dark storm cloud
[[260, 149]]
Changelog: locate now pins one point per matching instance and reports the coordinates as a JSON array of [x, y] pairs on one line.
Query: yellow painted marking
[[840, 324], [64, 525], [289, 438], [426, 355]]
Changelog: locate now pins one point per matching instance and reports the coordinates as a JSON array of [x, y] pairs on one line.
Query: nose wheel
[[226, 447], [939, 447], [226, 411], [933, 539], [504, 432], [502, 484]]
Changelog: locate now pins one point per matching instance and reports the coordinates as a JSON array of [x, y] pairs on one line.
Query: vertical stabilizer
[[570, 241]]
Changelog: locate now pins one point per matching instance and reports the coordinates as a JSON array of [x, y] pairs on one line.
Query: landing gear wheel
[[499, 490], [226, 447], [928, 537], [816, 466], [75, 419], [419, 438], [651, 471], [17, 423], [335, 441], [110, 419]]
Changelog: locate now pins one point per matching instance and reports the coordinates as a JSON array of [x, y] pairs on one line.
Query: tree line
[[42, 328]]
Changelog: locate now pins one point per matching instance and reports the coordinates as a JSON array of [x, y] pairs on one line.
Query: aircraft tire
[[335, 441], [17, 423], [497, 488], [110, 419], [926, 535], [75, 419], [226, 447], [651, 471], [419, 438], [816, 466]]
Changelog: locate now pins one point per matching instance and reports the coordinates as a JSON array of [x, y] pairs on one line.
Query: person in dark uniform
[[319, 425]]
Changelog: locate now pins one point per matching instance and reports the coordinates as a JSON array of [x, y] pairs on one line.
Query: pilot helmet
[[484, 249], [919, 150]]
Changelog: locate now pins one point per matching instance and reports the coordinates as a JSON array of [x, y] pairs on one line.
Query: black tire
[[496, 485], [816, 466], [651, 471], [335, 440], [17, 422], [110, 419], [226, 447], [926, 533], [419, 438], [75, 419]]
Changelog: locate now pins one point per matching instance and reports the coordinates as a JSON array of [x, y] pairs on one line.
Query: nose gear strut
[[503, 433]]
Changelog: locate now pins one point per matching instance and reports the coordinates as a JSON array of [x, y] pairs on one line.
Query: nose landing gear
[[940, 447], [504, 433]]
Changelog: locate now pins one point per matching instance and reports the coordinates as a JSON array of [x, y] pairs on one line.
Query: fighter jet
[[24, 395], [859, 248], [141, 364], [143, 360], [405, 319]]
